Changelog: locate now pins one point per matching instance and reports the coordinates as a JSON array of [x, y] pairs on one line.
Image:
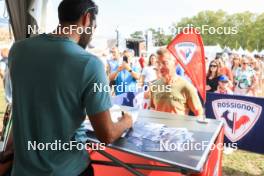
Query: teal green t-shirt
[[53, 89]]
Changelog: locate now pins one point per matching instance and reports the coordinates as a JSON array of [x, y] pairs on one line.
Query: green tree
[[249, 27], [159, 37], [137, 35]]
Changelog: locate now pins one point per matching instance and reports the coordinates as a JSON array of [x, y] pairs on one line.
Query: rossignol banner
[[243, 118], [187, 48]]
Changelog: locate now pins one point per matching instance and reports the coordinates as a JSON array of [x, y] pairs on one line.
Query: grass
[[243, 163]]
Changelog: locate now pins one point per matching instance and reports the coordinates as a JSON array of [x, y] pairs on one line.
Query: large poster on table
[[243, 118]]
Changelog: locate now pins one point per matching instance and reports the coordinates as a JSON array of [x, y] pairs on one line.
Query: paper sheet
[[148, 136], [116, 113]]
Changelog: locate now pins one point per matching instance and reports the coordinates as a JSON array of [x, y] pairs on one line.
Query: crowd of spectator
[[235, 74]]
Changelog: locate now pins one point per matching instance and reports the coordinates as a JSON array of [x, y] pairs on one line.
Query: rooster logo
[[185, 51], [235, 123], [239, 116]]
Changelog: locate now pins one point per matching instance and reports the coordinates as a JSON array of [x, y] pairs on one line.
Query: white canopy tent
[[240, 51], [211, 51]]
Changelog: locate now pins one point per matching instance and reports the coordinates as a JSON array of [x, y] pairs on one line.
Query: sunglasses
[[224, 81], [213, 65], [245, 63]]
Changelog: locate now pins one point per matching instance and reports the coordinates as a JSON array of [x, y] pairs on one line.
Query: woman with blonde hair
[[256, 67], [235, 64], [245, 79]]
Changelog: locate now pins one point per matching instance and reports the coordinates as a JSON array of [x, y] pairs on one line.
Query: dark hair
[[209, 73], [218, 57], [149, 63], [72, 10]]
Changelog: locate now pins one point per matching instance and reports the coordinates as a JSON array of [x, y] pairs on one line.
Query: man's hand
[[208, 87], [120, 68], [126, 66], [134, 74], [113, 75], [107, 131], [127, 120]]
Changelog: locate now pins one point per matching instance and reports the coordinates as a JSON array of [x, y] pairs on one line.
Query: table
[[185, 162]]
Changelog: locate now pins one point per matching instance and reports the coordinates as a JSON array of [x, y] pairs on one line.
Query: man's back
[[52, 81]]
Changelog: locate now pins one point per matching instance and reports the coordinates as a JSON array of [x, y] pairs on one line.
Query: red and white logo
[[185, 51], [239, 116]]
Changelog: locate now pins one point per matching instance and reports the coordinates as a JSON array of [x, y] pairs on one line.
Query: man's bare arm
[[107, 131]]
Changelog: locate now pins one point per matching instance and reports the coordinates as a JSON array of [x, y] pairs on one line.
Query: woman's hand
[[208, 87]]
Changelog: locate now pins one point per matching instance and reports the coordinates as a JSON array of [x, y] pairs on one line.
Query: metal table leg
[[141, 166], [130, 169]]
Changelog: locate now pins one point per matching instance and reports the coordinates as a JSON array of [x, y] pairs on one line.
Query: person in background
[[224, 70], [255, 65], [125, 75], [130, 53], [142, 61], [53, 92], [235, 64], [261, 60], [223, 85], [3, 61], [206, 63], [5, 75], [114, 61], [112, 65], [212, 76], [149, 73], [172, 93], [260, 66], [226, 59], [245, 79]]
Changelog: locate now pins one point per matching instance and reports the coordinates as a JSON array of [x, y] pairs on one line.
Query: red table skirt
[[213, 166]]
